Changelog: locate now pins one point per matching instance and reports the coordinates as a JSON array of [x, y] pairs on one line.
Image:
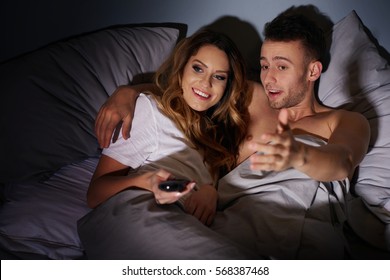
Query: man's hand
[[278, 151], [116, 112]]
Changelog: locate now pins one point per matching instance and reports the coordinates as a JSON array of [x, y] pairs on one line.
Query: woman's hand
[[203, 204], [153, 179]]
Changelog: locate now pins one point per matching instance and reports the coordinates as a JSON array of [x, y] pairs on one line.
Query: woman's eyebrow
[[200, 62]]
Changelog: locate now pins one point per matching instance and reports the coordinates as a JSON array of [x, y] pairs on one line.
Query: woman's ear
[[315, 69]]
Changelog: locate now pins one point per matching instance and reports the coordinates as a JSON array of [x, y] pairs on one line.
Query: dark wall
[[27, 24]]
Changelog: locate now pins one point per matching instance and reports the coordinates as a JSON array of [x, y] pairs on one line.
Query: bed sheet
[[278, 215], [40, 219]]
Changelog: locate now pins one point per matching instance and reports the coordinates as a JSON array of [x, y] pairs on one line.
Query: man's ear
[[315, 69]]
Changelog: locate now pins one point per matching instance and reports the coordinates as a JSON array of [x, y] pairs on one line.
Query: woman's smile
[[201, 94]]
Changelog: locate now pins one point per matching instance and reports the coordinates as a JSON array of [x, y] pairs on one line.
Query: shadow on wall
[[247, 39], [322, 20]]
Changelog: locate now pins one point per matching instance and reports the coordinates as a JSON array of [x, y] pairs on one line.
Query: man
[[283, 108]]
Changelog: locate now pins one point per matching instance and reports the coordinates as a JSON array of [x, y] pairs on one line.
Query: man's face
[[284, 73]]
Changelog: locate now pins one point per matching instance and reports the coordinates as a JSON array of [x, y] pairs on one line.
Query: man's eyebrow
[[276, 58]]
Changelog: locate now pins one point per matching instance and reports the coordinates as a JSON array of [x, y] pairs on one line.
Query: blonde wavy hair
[[219, 131]]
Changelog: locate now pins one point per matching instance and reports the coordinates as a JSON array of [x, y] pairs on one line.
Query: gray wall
[[26, 25]]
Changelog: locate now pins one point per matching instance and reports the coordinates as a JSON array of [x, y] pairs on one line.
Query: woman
[[191, 130], [198, 120]]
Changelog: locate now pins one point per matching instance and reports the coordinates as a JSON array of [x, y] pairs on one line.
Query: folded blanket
[[284, 215]]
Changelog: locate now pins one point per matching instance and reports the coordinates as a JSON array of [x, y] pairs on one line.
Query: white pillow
[[358, 79], [50, 97]]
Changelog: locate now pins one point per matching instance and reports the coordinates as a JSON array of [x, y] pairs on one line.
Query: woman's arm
[[110, 178], [202, 204], [118, 111]]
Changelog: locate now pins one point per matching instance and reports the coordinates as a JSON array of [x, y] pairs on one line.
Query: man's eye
[[263, 67], [282, 67]]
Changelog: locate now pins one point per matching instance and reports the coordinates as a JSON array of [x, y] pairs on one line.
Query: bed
[[49, 150]]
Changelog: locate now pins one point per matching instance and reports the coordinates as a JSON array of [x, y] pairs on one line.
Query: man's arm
[[347, 145], [346, 148], [117, 112]]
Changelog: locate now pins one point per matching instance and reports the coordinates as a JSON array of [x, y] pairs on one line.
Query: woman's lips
[[201, 94]]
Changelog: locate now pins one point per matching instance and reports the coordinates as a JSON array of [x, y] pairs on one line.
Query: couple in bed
[[282, 159]]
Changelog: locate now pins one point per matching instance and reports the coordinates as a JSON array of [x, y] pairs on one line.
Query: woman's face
[[205, 77]]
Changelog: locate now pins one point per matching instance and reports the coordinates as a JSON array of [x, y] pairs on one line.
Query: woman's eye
[[220, 78], [197, 68]]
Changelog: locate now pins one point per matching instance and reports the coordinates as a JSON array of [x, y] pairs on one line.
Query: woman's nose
[[206, 81]]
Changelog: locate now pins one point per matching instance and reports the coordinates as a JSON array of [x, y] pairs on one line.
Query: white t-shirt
[[155, 142]]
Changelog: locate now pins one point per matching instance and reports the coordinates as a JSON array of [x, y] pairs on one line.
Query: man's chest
[[257, 127]]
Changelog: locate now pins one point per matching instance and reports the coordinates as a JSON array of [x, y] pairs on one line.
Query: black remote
[[175, 185]]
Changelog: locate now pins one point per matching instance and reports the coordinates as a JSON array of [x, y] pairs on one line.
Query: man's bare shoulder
[[348, 123], [258, 97], [259, 108], [326, 121], [339, 114], [350, 116], [256, 86]]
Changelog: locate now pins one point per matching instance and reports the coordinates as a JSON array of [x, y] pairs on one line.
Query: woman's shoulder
[[145, 108], [145, 98], [148, 107], [146, 102]]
